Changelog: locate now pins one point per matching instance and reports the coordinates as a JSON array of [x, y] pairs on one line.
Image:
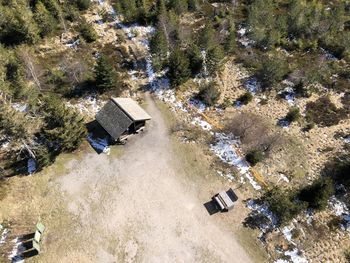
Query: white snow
[[224, 149], [199, 105], [203, 124], [284, 178], [287, 232], [99, 144], [288, 92], [31, 166], [262, 208], [229, 176], [252, 85], [20, 107], [295, 256], [4, 235], [347, 139], [87, 105], [340, 209], [329, 55], [16, 251]]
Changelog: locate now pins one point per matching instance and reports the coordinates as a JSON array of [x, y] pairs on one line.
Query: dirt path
[[137, 209]]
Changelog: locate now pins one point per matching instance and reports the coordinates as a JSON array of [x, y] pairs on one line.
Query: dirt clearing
[[139, 209]]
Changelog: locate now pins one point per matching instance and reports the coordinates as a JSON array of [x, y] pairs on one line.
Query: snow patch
[[203, 124], [223, 148], [229, 176], [31, 166], [263, 209], [20, 107], [99, 144], [18, 248], [252, 85]]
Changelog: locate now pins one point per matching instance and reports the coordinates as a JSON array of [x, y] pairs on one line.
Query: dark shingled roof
[[113, 119]]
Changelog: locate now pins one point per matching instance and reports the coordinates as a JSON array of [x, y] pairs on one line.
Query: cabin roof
[[132, 109]]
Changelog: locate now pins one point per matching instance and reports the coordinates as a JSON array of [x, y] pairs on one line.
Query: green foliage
[[195, 57], [209, 93], [17, 25], [246, 98], [63, 127], [12, 123], [159, 48], [179, 6], [105, 74], [206, 37], [230, 41], [215, 58], [45, 21], [179, 68], [324, 113], [318, 193], [43, 156], [283, 205], [272, 71], [83, 4], [293, 114], [339, 169], [87, 32], [254, 156]]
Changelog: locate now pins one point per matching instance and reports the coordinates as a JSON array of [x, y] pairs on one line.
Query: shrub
[[254, 156], [324, 113], [246, 98], [317, 194], [179, 68], [209, 93], [83, 4], [293, 114], [282, 205], [339, 169], [87, 32], [272, 71]]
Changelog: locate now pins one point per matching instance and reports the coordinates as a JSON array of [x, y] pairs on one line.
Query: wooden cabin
[[122, 117]]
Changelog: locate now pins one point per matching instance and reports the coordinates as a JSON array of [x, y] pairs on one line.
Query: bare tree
[[33, 69], [253, 132]]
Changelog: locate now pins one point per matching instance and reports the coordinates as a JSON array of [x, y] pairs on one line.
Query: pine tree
[[195, 58], [64, 129], [105, 74], [230, 41], [179, 6], [45, 21], [214, 59], [179, 71], [193, 5], [206, 37]]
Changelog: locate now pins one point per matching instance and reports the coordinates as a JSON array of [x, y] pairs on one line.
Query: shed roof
[[132, 109], [113, 119]]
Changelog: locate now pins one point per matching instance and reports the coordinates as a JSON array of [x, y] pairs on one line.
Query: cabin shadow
[[98, 138], [26, 249], [211, 207]]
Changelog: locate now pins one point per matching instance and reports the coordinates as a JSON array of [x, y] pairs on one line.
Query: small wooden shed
[[121, 117]]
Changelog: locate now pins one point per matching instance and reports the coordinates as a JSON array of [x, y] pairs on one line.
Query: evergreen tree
[[206, 37], [17, 26], [105, 74], [179, 6], [195, 57], [159, 49], [193, 5], [214, 59], [45, 21], [179, 71], [230, 41], [64, 129]]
